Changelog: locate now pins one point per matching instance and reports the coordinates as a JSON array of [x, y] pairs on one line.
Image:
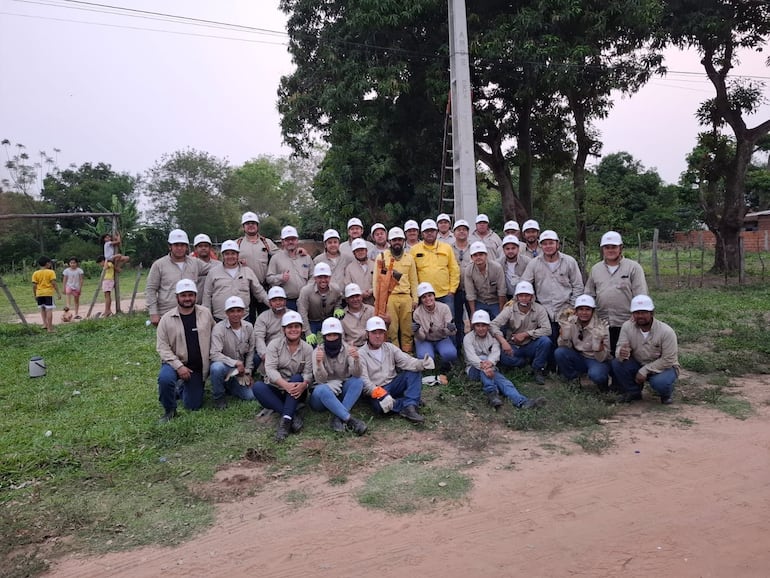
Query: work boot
[[337, 424], [494, 399], [220, 403], [168, 416], [410, 413], [666, 400], [297, 423], [628, 397], [284, 426], [540, 376], [357, 426], [533, 403]]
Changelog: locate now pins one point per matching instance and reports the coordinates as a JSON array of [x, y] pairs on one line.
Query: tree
[[718, 29], [186, 191]]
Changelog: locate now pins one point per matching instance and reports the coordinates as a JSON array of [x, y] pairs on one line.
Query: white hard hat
[[352, 289], [478, 247], [482, 218], [355, 221], [443, 217], [524, 287], [358, 244], [424, 288], [288, 231], [396, 233], [374, 323], [275, 293], [201, 238], [249, 217], [178, 236], [611, 238], [331, 325], [233, 302], [330, 234], [322, 269], [642, 303], [548, 235], [230, 245], [510, 225], [585, 301], [185, 285], [531, 224], [411, 224], [480, 316], [461, 223], [428, 224], [291, 317], [511, 239], [377, 226]]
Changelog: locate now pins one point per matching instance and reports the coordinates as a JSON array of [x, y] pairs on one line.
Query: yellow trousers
[[400, 311]]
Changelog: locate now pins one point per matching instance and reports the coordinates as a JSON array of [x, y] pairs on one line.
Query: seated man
[[357, 313], [232, 355], [584, 344], [268, 327], [433, 327], [529, 329], [647, 351], [288, 374], [482, 352], [318, 300], [183, 343], [389, 389], [337, 372]]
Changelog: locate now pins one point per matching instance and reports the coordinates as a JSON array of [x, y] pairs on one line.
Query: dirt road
[[682, 493]]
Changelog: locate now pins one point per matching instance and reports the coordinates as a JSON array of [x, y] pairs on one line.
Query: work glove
[[451, 327], [312, 339], [379, 392], [415, 327], [339, 313], [428, 363], [386, 403]]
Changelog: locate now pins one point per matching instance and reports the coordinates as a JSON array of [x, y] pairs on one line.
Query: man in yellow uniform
[[436, 264], [403, 298]]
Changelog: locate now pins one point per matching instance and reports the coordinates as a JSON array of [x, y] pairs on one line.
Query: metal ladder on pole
[[446, 187]]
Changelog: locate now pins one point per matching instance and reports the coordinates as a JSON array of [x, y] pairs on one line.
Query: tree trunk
[[727, 256], [584, 143], [524, 154], [496, 162]]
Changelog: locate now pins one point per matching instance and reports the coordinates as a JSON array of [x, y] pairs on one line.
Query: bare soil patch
[[683, 492]]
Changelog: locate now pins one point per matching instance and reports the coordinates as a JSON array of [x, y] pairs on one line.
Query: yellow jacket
[[407, 285], [436, 264]]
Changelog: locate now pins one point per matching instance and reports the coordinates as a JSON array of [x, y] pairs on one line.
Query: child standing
[[43, 288], [108, 284], [73, 284], [482, 352]]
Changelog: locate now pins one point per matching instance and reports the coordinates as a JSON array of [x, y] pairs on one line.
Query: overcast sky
[[125, 90]]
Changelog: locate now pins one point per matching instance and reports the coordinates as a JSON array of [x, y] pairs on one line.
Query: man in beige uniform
[[256, 251], [167, 271], [647, 351], [357, 313], [268, 324], [361, 271], [614, 281], [228, 278], [289, 268]]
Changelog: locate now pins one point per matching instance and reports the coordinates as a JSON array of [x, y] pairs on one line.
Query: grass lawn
[[84, 457]]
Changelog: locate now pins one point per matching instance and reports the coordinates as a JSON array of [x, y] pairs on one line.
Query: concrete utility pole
[[463, 157]]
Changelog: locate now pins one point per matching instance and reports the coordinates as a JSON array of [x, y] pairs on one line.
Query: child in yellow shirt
[[43, 288]]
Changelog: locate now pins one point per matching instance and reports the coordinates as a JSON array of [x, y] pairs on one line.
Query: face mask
[[333, 348]]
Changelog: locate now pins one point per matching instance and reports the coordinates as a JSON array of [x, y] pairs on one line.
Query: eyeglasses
[[460, 257], [580, 335]]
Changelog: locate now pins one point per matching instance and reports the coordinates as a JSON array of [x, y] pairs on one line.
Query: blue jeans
[[219, 386], [498, 383], [315, 326], [405, 389], [445, 348], [324, 398], [624, 373], [536, 351], [275, 398], [572, 365], [191, 391], [492, 308], [449, 301]]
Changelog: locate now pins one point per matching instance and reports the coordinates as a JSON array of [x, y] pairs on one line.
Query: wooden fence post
[[655, 267]]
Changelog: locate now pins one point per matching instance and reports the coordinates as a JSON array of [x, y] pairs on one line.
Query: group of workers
[[364, 318]]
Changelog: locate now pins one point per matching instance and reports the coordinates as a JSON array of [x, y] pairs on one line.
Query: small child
[[73, 285], [108, 284], [43, 287], [482, 352], [112, 251]]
